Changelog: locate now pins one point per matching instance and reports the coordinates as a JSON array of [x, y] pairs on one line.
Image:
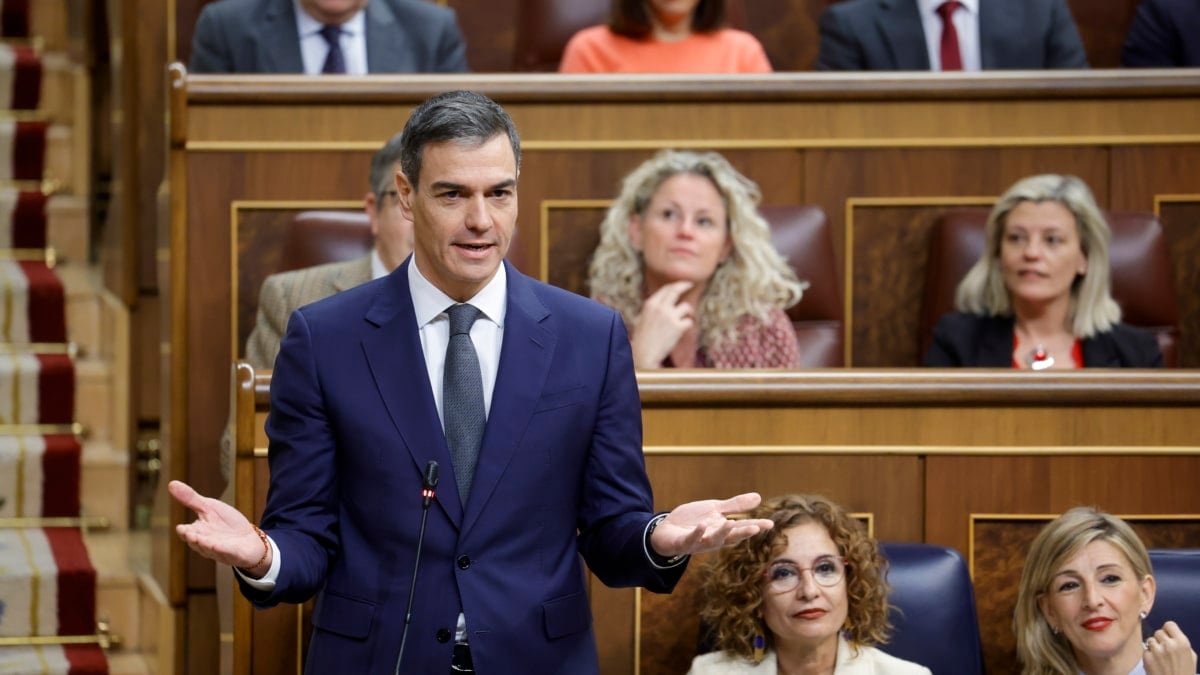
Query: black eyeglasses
[[389, 193]]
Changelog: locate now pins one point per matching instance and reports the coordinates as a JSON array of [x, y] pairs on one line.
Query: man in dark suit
[[989, 35], [1164, 34], [354, 37], [368, 388]]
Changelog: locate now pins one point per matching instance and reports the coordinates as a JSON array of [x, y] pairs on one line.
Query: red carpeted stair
[[47, 581]]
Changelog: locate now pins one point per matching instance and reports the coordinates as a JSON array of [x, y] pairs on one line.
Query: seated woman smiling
[[808, 596], [1039, 297], [1086, 588], [687, 260]]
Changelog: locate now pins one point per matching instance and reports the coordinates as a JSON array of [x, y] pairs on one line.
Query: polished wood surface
[[965, 459]]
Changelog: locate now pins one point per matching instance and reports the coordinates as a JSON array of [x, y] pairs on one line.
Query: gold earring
[[760, 648]]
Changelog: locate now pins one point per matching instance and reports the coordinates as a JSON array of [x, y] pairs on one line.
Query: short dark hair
[[453, 116], [631, 18], [383, 177]]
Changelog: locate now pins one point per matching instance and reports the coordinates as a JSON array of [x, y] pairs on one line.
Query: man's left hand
[[705, 525]]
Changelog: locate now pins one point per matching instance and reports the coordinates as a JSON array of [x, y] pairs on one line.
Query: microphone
[[428, 492]]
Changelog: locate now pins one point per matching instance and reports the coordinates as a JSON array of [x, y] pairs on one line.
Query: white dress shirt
[[966, 23], [314, 48]]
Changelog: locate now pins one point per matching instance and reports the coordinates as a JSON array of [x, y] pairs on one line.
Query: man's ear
[[405, 192]]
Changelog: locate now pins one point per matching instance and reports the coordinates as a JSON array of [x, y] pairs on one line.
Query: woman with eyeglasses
[[807, 596]]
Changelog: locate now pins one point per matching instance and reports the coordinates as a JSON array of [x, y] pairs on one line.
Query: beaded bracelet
[[266, 548]]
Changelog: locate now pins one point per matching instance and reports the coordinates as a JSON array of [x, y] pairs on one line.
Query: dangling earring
[[760, 648]]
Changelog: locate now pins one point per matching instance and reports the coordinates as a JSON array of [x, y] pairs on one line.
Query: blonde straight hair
[[1092, 309]]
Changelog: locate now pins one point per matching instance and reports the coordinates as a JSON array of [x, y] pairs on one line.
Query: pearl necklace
[[1040, 359]]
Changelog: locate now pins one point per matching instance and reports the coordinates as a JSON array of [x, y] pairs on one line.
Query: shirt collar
[[930, 6], [429, 301], [306, 25]]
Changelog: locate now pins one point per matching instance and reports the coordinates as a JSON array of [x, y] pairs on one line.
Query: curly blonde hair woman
[[687, 260], [808, 595]]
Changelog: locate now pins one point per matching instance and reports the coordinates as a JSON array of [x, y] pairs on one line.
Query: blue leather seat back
[[933, 609], [1177, 576]]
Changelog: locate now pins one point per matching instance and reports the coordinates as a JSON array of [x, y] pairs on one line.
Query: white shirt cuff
[[267, 582], [658, 561]]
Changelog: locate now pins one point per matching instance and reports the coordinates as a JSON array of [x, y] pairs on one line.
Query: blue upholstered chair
[[934, 609], [1177, 575]]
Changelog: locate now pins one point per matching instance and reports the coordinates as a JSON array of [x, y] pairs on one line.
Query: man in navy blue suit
[[356, 416]]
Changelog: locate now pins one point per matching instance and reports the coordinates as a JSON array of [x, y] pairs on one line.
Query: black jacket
[[972, 341]]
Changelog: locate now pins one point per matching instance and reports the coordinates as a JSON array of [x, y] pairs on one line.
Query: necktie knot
[[331, 32], [946, 9], [462, 317]]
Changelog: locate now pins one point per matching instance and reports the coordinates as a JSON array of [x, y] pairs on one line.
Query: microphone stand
[[428, 492]]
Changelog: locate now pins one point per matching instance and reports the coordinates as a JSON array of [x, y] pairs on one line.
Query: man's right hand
[[220, 532]]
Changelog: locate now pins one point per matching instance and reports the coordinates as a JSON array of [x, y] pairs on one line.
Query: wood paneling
[[1181, 220]]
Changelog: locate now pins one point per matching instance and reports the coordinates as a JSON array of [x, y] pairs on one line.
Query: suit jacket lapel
[[996, 24], [900, 25], [280, 43], [525, 357], [385, 42], [398, 366]]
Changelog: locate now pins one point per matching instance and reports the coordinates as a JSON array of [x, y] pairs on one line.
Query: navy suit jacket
[[888, 35], [259, 36], [561, 475], [963, 340], [1163, 34]]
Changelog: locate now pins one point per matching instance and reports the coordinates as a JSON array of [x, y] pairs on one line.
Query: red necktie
[[951, 56]]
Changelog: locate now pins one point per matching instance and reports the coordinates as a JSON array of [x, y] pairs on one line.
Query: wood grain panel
[[891, 248], [573, 234], [999, 548], [1146, 179], [260, 235], [1103, 26], [1181, 220], [489, 29]]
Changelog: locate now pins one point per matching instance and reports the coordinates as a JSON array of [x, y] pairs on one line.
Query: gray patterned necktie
[[462, 398]]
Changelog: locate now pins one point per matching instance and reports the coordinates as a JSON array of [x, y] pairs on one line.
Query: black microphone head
[[431, 474]]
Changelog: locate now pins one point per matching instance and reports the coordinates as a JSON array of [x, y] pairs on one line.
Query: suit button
[[443, 635], [463, 562]]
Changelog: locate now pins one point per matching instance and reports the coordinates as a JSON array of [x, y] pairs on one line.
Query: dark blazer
[[259, 36], [560, 475], [1164, 33], [971, 341], [888, 35]]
